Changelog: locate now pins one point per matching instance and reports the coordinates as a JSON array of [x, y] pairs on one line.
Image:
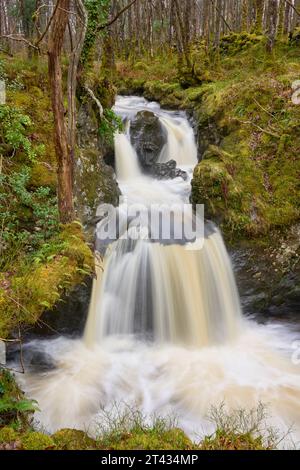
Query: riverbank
[[235, 431]]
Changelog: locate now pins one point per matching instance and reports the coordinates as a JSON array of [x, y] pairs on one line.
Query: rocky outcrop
[[147, 137], [268, 276], [167, 170], [95, 181]]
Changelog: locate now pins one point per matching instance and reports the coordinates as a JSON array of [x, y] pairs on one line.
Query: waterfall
[[127, 166], [164, 333], [176, 295], [180, 144]]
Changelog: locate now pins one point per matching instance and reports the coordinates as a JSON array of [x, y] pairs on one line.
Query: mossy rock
[[225, 440], [43, 174], [209, 187], [40, 285], [7, 435], [96, 184], [237, 42], [72, 439], [173, 439], [37, 441]]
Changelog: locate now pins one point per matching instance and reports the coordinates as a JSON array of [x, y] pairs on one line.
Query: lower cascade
[[165, 333]]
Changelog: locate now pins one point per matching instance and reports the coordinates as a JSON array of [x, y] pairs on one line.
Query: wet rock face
[[95, 184], [95, 181], [268, 277], [147, 137], [167, 171]]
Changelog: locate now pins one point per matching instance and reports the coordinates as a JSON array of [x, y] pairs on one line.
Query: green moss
[[37, 441], [151, 440], [15, 410], [71, 439], [41, 279], [7, 435], [223, 440]]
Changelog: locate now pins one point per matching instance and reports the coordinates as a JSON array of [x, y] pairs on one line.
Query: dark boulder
[[148, 137], [167, 171]]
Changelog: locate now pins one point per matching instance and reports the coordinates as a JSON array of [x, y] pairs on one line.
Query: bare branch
[[19, 39], [48, 24], [99, 105], [110, 22], [293, 7], [221, 16]]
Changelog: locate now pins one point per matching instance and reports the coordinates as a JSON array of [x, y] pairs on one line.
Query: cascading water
[[126, 168], [165, 332], [180, 144]]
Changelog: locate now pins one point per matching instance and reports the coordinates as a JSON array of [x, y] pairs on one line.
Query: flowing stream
[[165, 333]]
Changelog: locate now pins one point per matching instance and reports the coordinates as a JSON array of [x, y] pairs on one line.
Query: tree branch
[[110, 22], [99, 105], [19, 39], [48, 24], [221, 16], [293, 7]]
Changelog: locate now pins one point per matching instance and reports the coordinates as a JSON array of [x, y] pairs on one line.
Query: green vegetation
[[15, 409], [109, 125], [40, 259]]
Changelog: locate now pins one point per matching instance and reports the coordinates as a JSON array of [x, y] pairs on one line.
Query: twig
[[261, 129], [264, 109], [70, 12]]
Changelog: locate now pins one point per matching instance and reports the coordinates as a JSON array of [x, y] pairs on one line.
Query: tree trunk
[[63, 154], [259, 13], [272, 24]]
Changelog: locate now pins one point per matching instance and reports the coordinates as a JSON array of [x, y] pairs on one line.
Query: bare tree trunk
[[272, 24], [287, 18], [259, 13], [218, 6], [77, 45], [181, 34], [63, 154]]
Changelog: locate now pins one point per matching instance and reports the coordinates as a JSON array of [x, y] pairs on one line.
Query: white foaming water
[[165, 333], [180, 144], [127, 165]]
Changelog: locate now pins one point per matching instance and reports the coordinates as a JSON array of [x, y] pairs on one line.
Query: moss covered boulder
[[95, 183], [152, 439], [72, 439]]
